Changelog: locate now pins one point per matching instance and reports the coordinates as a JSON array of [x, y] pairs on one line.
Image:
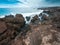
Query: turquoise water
[[13, 11], [4, 11]]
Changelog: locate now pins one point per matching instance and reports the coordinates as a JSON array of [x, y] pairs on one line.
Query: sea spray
[[31, 15]]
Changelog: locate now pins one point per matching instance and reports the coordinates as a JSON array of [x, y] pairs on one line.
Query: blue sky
[[9, 1], [28, 3], [53, 1]]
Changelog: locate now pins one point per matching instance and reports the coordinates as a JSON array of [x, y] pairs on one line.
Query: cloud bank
[[28, 3]]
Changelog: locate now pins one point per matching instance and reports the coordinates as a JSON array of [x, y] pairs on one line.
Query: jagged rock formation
[[10, 28], [40, 31]]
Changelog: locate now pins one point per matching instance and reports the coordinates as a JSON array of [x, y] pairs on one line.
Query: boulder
[[28, 18], [14, 22], [10, 27], [45, 17], [35, 20]]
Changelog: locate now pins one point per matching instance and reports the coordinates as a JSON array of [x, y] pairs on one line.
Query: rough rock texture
[[2, 27], [14, 31], [10, 27], [35, 20]]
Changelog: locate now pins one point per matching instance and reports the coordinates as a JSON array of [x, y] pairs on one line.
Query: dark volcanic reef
[[44, 31]]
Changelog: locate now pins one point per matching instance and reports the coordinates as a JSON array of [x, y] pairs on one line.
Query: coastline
[[24, 14], [15, 31]]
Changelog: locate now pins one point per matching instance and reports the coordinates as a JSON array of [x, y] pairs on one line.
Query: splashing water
[[31, 15]]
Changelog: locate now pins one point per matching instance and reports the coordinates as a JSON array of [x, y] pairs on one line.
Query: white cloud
[[28, 4], [25, 3], [33, 3], [14, 6]]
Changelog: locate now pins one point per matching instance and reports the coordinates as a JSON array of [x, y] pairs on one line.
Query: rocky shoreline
[[43, 29]]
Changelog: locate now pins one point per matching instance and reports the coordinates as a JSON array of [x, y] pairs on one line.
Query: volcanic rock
[[14, 31], [10, 27], [35, 20], [28, 18]]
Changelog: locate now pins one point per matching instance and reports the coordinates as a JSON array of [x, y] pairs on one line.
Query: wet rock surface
[[40, 31]]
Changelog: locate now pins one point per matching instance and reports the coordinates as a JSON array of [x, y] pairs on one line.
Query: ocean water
[[23, 11]]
